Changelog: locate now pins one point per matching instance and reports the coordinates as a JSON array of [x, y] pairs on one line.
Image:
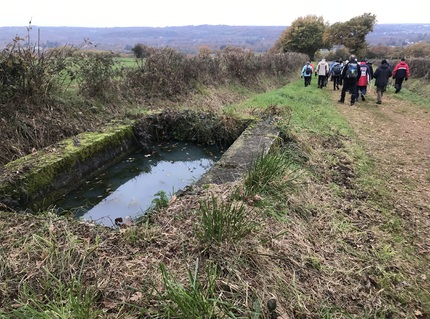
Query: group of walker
[[354, 77]]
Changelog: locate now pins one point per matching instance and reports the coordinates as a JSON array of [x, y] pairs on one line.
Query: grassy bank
[[310, 232]]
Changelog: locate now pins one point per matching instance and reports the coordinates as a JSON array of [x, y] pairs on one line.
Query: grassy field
[[318, 228]]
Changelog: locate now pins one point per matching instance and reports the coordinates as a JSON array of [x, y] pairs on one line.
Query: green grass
[[196, 299], [61, 301], [273, 174], [312, 110]]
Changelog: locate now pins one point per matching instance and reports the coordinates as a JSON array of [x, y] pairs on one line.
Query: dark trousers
[[398, 84], [322, 81], [336, 81], [351, 87], [307, 80]]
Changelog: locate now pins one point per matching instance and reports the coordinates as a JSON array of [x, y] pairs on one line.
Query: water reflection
[[128, 188]]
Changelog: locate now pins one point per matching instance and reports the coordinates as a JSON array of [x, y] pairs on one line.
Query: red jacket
[[401, 70], [364, 72]]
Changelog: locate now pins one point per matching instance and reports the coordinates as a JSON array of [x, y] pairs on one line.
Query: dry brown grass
[[344, 245]]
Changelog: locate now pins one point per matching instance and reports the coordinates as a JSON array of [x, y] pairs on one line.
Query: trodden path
[[396, 135]]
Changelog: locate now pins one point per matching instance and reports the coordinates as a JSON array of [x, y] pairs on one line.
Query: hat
[[384, 61]]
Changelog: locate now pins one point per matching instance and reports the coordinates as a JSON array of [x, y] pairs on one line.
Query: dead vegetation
[[323, 254], [346, 242]]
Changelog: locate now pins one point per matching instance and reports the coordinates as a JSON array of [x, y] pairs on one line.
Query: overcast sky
[[162, 13]]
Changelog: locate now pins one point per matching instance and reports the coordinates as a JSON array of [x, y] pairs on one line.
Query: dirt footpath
[[396, 135]]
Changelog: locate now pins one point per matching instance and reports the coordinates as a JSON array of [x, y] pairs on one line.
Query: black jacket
[[382, 74], [345, 70]]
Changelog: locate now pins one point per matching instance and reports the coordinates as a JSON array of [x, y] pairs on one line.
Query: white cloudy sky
[[161, 13]]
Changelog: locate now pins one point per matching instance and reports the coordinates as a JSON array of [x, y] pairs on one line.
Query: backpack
[[308, 70], [352, 72], [336, 70]]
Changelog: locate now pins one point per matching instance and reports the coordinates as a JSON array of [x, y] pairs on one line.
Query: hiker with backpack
[[363, 80], [349, 77], [307, 72], [322, 71], [336, 71], [382, 76], [400, 74]]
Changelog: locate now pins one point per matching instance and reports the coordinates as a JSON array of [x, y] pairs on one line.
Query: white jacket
[[322, 68]]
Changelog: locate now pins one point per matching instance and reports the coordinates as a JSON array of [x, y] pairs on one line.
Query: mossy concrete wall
[[37, 180], [255, 140]]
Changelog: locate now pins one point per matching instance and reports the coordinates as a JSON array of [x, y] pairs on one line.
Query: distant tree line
[[310, 35]]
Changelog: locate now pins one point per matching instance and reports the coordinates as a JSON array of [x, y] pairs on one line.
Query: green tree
[[305, 35], [352, 34]]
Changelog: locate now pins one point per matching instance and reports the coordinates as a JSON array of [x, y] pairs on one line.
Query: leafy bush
[[165, 73], [419, 68], [98, 76], [26, 74]]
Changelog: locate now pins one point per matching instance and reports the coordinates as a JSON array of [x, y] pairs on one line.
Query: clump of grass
[[194, 300], [272, 173], [222, 221], [61, 301]]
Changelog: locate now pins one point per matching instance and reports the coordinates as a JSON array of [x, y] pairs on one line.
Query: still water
[[129, 187]]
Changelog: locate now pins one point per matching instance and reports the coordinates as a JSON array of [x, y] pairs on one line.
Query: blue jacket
[[304, 70]]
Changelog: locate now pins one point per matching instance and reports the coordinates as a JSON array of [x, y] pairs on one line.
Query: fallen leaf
[[136, 297]]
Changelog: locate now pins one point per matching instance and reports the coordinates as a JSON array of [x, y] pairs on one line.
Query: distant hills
[[189, 38]]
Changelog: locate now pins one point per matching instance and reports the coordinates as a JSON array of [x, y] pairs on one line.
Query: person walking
[[349, 78], [370, 66], [363, 80], [336, 71], [322, 71], [307, 72], [400, 74], [381, 75]]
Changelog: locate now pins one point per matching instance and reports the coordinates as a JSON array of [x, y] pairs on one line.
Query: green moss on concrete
[[36, 181], [30, 175]]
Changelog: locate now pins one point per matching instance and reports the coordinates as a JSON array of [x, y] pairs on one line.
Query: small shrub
[[98, 76], [26, 74]]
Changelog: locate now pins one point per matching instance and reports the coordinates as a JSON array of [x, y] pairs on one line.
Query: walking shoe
[[340, 101], [363, 98], [397, 91], [379, 102]]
